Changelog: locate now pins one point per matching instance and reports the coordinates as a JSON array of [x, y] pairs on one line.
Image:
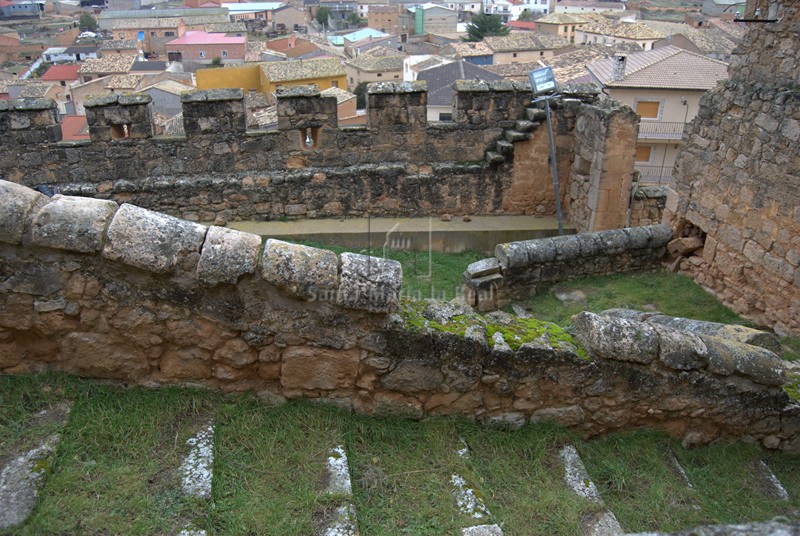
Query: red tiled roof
[[74, 128], [523, 25], [61, 72]]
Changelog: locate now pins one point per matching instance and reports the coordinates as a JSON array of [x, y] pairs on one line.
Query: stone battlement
[[491, 159]]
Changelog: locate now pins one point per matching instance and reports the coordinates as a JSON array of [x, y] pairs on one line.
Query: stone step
[[197, 471], [24, 474], [535, 114], [505, 148], [515, 135], [494, 158], [600, 523], [526, 126], [342, 520]]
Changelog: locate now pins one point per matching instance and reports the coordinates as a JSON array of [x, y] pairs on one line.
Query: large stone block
[[102, 355], [369, 283], [73, 223], [302, 271], [227, 255], [306, 367], [16, 204], [150, 240], [761, 366], [616, 338], [412, 375]]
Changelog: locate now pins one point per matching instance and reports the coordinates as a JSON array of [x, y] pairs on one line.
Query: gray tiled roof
[[378, 64], [285, 71], [440, 80], [523, 41], [665, 68]]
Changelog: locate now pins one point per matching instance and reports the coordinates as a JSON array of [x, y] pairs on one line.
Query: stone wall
[[647, 207], [736, 181], [397, 165], [120, 292], [520, 269]]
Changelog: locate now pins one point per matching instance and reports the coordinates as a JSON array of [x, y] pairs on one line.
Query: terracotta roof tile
[[74, 128], [61, 72], [111, 64], [525, 41], [377, 64]]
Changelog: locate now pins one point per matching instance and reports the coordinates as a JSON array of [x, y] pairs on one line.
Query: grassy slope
[[116, 469]]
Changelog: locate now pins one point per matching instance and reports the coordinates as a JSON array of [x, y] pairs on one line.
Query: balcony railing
[[654, 174], [658, 130]]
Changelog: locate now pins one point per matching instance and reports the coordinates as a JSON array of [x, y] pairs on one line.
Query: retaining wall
[[120, 292], [520, 269]]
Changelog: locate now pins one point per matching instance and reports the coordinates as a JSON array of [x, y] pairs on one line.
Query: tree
[[323, 13], [87, 22], [353, 18], [525, 16], [483, 25]]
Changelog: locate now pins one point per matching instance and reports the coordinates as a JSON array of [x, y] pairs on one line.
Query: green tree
[[353, 18], [322, 15], [483, 25], [87, 22], [525, 16]]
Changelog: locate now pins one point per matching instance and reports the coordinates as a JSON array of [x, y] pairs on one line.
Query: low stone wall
[[120, 292], [519, 269]]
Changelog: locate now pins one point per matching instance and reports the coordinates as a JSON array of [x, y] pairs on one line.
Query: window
[[514, 55], [335, 83], [380, 75], [202, 53], [152, 34], [224, 54], [643, 153], [541, 53], [169, 34], [445, 116], [649, 109], [122, 36]]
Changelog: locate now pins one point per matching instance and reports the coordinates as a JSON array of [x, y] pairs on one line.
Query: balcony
[[654, 175], [658, 130]]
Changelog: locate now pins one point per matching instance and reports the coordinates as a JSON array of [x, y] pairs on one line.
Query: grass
[[116, 468]]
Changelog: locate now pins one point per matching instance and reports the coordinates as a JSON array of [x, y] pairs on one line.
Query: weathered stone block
[[761, 366], [680, 350], [102, 356], [150, 240], [73, 223], [303, 271], [227, 255], [568, 415], [413, 375], [616, 338], [16, 204], [319, 368], [369, 283]]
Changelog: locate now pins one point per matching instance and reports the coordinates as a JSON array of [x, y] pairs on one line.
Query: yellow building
[[266, 77]]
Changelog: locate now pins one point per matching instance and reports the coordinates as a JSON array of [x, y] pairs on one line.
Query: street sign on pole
[[543, 82]]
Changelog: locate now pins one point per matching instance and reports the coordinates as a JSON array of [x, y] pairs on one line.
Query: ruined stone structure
[[736, 185], [521, 269], [120, 292], [493, 159]]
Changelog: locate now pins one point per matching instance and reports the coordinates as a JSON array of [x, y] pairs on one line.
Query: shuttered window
[[643, 153], [648, 109]]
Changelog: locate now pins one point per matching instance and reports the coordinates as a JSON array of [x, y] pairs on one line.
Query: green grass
[[672, 294], [116, 468], [270, 466], [440, 278]]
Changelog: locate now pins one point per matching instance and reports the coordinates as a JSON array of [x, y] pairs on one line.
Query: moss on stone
[[516, 331], [792, 386]]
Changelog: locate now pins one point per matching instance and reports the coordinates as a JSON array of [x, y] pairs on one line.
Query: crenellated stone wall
[[736, 181], [520, 269], [120, 292], [492, 159]]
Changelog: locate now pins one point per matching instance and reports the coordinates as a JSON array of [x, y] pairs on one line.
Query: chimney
[[618, 67]]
